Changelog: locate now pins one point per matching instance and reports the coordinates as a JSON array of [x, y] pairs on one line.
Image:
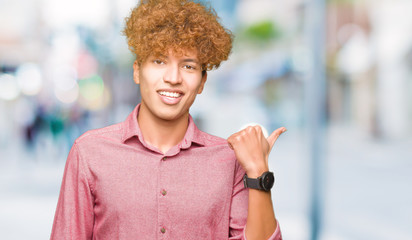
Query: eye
[[189, 67], [158, 61]]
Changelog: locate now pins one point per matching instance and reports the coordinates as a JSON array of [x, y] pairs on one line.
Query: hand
[[252, 149]]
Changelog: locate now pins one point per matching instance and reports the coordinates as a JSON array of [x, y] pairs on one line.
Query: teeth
[[169, 94]]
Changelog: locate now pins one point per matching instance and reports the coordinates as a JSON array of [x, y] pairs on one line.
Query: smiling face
[[169, 85]]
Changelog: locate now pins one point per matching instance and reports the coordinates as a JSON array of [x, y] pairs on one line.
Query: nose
[[172, 75]]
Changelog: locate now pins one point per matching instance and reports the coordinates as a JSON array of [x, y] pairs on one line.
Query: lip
[[169, 100]]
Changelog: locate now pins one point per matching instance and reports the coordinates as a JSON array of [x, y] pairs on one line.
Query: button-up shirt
[[116, 186]]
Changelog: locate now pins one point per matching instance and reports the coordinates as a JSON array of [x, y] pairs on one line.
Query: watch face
[[267, 181]]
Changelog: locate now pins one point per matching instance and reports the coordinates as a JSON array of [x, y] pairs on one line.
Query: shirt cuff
[[277, 235]]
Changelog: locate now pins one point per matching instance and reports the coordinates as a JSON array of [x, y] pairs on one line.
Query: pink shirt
[[116, 186]]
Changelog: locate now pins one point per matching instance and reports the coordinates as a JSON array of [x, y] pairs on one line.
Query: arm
[[252, 151], [74, 217]]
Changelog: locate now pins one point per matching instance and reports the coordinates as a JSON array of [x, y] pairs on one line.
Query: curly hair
[[158, 26]]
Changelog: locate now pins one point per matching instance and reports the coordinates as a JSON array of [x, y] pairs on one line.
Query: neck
[[160, 133]]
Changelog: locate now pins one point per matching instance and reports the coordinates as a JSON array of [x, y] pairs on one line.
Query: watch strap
[[251, 182]]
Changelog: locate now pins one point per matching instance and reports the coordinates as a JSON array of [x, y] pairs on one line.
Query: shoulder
[[209, 140], [109, 133], [214, 145], [99, 145]]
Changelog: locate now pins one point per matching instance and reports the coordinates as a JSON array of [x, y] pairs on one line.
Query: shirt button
[[163, 230], [164, 192], [164, 158]]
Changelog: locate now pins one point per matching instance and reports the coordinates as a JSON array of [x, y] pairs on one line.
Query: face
[[169, 85]]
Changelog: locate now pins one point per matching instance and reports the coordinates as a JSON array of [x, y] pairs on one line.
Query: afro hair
[[158, 26]]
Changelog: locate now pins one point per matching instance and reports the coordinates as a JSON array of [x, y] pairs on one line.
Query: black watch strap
[[251, 182]]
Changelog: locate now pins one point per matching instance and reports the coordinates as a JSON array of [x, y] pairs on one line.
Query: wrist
[[256, 171], [263, 183]]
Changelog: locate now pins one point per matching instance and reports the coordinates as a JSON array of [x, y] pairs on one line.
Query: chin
[[170, 116]]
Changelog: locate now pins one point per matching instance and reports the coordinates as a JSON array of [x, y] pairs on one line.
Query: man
[[156, 175]]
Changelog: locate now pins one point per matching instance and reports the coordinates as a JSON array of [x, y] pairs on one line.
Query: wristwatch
[[264, 182]]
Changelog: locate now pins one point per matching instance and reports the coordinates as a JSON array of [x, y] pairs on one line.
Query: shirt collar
[[131, 129]]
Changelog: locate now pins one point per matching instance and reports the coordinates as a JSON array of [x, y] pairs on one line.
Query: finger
[[230, 140], [230, 145], [274, 136], [252, 124]]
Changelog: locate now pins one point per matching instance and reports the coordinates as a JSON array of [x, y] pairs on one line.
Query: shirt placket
[[163, 226]]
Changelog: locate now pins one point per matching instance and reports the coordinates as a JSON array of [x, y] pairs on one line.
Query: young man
[[156, 175]]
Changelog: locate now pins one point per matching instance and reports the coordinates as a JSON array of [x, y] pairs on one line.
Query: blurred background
[[336, 73]]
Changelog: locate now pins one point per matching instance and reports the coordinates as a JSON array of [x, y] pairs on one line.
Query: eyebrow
[[190, 60], [194, 60]]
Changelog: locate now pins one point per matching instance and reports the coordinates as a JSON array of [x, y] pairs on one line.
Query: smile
[[170, 94]]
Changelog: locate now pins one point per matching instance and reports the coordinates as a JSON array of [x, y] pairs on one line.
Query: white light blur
[[9, 89], [25, 112], [65, 45], [29, 78], [346, 32], [65, 78], [355, 55], [60, 13], [67, 96], [14, 18]]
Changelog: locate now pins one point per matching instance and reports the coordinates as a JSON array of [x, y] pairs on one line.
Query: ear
[[136, 68], [202, 83]]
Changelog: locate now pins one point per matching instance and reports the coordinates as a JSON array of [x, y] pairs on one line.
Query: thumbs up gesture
[[252, 149]]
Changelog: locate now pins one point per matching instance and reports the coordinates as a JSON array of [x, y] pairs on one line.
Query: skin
[[252, 151], [163, 121]]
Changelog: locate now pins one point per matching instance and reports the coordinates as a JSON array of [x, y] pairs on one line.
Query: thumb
[[274, 136]]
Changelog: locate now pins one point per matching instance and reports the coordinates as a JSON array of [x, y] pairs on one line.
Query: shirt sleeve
[[74, 216], [239, 208], [277, 235]]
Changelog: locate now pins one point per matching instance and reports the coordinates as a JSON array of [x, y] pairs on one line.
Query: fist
[[252, 149]]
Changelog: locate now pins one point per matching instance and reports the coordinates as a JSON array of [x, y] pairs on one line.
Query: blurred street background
[[337, 74]]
